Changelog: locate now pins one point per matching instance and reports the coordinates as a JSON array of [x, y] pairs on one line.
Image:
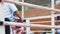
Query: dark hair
[[0, 0]]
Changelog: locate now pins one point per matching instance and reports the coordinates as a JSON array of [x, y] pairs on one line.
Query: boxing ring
[[28, 25]]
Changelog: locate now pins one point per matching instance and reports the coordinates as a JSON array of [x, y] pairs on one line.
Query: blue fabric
[[58, 31]]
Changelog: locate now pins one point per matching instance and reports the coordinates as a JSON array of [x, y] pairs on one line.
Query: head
[[0, 0]]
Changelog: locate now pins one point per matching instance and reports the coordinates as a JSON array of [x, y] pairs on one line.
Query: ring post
[[27, 28], [52, 17]]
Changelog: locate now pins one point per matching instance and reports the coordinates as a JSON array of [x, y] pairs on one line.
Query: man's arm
[[57, 6], [18, 14]]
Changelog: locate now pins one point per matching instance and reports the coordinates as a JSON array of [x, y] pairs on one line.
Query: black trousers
[[58, 17], [57, 32], [7, 27]]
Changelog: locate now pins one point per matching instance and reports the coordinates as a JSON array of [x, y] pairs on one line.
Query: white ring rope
[[40, 31], [30, 25], [32, 5]]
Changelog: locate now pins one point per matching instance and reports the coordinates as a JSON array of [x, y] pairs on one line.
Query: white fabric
[[9, 10], [2, 29], [2, 9]]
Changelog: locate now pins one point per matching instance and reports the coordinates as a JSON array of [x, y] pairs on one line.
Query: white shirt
[[1, 13], [9, 10]]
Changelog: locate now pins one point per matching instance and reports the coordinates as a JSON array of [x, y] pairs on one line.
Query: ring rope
[[31, 25], [32, 5]]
